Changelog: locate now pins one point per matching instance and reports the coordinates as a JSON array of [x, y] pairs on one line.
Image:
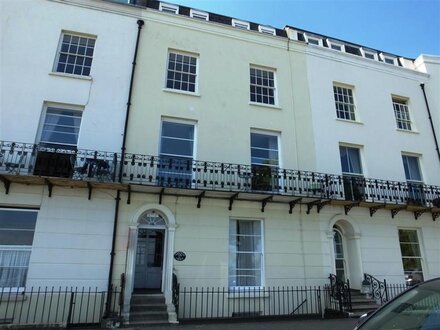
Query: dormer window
[[240, 24], [335, 45], [388, 59], [369, 54], [313, 40], [266, 29], [199, 15], [169, 8]]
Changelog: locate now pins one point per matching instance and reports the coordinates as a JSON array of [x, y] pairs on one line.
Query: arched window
[[338, 246], [152, 218]]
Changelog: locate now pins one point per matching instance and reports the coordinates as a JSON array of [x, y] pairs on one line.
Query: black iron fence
[[227, 303], [57, 306], [80, 164]]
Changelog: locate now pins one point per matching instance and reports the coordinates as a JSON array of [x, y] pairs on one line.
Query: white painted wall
[[30, 34], [72, 239], [376, 131]]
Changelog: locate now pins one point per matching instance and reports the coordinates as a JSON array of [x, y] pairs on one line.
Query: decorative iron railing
[[227, 303], [56, 161], [382, 292], [175, 290], [339, 294], [55, 306], [90, 165], [378, 290]]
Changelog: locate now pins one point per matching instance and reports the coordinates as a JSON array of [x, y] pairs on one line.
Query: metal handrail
[[378, 289]]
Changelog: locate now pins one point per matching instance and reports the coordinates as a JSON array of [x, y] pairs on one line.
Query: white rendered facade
[[249, 98]]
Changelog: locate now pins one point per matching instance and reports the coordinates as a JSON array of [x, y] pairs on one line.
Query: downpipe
[[108, 303]]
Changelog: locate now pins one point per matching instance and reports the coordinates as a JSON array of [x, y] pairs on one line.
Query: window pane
[[12, 219], [245, 253], [181, 70], [408, 236], [411, 256], [264, 149], [178, 130], [344, 102], [77, 50], [350, 160], [411, 167], [176, 147], [262, 86], [13, 267], [61, 126]]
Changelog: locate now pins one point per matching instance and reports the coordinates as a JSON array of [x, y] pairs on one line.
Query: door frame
[[167, 271], [164, 228], [351, 237]]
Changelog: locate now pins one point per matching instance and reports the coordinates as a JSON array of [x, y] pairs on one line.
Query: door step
[[148, 309]]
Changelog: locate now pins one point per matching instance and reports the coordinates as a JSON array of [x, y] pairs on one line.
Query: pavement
[[328, 324]]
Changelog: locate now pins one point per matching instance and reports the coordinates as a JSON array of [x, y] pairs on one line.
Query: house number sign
[[180, 256]]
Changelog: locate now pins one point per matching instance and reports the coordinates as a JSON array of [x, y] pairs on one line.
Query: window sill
[[68, 75], [406, 131], [264, 105], [350, 121], [177, 91]]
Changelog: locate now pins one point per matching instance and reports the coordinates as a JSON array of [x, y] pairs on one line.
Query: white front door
[[149, 259]]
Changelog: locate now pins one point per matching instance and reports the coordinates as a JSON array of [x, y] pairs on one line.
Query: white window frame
[[332, 43], [402, 104], [61, 106], [274, 88], [262, 270], [386, 58], [168, 8], [359, 149], [202, 15], [364, 53], [241, 24], [268, 133], [309, 37], [179, 121], [343, 103], [182, 53], [59, 53], [266, 30], [420, 243], [19, 248], [419, 167]]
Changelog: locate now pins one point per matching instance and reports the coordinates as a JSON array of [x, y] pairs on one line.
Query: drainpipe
[[422, 86], [140, 23]]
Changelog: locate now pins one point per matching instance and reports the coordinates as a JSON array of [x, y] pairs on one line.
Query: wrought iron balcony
[[192, 177]]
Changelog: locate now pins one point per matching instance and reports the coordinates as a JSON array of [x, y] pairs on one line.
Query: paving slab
[[333, 324]]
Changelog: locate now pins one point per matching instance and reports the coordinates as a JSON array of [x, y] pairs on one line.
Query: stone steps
[[361, 304], [148, 309]]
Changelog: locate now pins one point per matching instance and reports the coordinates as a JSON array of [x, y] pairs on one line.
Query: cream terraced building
[[150, 139]]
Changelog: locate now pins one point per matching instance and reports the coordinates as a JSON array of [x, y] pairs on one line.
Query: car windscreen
[[418, 309]]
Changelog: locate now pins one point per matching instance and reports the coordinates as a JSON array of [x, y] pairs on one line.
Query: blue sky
[[403, 27]]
